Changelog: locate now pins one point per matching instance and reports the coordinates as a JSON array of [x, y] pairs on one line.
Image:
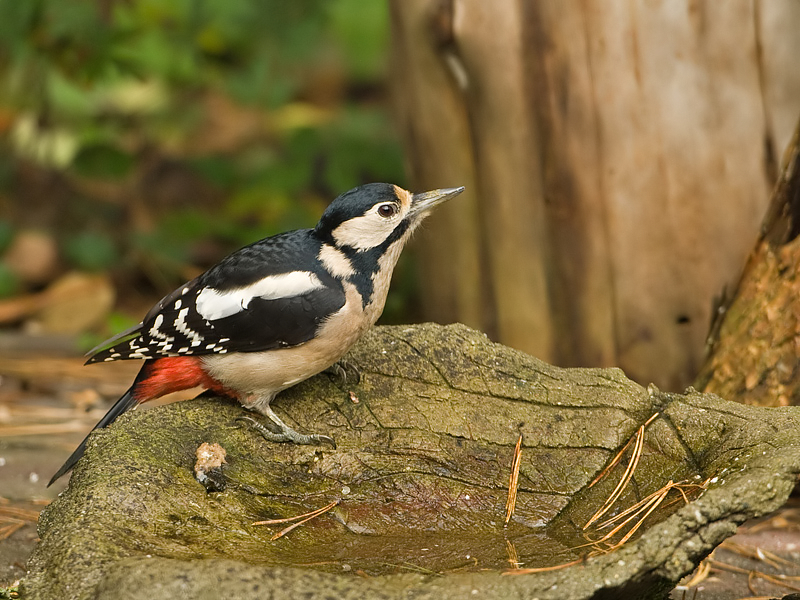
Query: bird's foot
[[344, 371], [278, 431]]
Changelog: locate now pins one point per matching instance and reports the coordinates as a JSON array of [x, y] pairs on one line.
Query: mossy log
[[420, 481]]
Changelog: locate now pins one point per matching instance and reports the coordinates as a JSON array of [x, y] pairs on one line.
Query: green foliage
[[102, 161], [6, 235], [115, 323], [9, 282], [90, 251], [361, 29], [10, 593], [273, 106]]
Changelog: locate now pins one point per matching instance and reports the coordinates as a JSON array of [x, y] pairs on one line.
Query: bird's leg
[[278, 431], [341, 369]]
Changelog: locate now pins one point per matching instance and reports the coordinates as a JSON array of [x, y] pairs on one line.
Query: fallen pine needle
[[645, 507], [542, 569], [513, 482], [756, 553], [633, 529], [623, 482], [313, 513], [621, 453], [304, 519], [513, 557], [42, 429], [638, 440], [15, 513], [780, 580], [613, 462], [8, 530], [703, 570], [670, 485], [787, 519]]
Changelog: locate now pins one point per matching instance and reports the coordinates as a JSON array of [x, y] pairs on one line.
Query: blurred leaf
[[102, 161], [9, 283], [16, 20], [90, 251], [117, 321], [187, 225], [51, 146], [359, 150], [6, 235], [167, 252], [219, 170], [362, 29], [66, 98]]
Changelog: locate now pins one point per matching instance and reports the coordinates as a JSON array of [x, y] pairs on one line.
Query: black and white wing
[[271, 294]]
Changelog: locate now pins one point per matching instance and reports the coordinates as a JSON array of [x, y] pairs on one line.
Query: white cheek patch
[[213, 304], [365, 232]]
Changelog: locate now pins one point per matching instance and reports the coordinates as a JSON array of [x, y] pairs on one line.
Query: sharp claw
[[324, 439], [341, 369], [282, 433]]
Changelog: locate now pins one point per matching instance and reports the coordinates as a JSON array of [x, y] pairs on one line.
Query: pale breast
[[264, 374]]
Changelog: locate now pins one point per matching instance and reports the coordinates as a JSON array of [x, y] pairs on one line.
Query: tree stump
[[618, 158]]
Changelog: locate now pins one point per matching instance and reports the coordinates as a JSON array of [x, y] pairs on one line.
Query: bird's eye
[[387, 210]]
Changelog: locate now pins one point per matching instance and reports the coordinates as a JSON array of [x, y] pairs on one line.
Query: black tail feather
[[124, 404]]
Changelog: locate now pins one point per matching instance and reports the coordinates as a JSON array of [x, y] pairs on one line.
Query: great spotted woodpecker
[[273, 313]]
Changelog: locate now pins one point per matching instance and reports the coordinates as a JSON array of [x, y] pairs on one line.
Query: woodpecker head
[[375, 215]]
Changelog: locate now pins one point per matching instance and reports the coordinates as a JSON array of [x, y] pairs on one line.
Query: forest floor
[[48, 401]]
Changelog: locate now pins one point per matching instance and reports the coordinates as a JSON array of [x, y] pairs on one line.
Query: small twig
[[513, 482]]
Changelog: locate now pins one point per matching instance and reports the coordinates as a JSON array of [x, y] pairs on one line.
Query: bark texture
[[426, 442], [754, 347], [618, 158]]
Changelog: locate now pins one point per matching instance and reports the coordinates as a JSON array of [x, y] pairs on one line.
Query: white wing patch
[[213, 304]]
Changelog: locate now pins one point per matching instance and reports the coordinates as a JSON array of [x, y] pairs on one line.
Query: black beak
[[423, 202]]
